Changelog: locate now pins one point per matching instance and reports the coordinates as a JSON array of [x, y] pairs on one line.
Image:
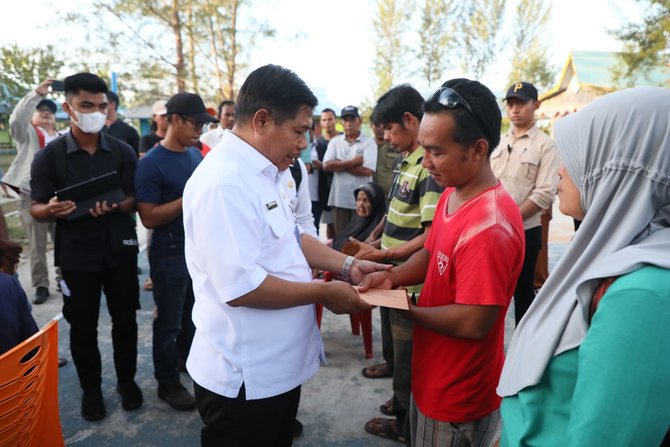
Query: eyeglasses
[[451, 99], [196, 125]]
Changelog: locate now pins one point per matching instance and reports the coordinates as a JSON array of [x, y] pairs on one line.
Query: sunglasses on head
[[451, 99]]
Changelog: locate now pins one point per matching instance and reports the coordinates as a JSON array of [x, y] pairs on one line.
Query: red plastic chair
[[361, 322], [29, 392]]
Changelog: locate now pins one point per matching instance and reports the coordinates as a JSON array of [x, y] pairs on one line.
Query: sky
[[330, 44]]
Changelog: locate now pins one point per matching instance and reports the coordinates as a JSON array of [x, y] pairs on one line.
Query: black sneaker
[[176, 396], [41, 295], [131, 395], [92, 405]]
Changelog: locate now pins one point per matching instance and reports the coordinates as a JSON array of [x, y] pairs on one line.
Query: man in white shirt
[[256, 337], [352, 157]]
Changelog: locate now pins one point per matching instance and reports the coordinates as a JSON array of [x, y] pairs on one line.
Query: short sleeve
[[128, 166], [370, 154], [147, 181], [331, 151], [429, 196]]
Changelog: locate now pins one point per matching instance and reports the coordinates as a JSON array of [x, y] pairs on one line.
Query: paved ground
[[334, 407]]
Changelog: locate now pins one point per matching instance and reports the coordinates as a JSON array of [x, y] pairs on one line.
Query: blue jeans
[[173, 326]]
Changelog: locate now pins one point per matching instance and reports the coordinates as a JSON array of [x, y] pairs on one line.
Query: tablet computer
[[97, 189]]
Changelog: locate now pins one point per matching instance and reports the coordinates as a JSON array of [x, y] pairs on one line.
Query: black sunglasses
[[451, 99], [195, 123]]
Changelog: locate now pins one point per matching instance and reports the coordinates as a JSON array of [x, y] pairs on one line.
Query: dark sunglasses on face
[[451, 99], [196, 125]]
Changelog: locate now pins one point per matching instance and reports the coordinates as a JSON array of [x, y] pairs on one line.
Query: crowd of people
[[439, 202]]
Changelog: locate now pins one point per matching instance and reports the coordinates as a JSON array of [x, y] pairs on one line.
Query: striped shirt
[[414, 196]]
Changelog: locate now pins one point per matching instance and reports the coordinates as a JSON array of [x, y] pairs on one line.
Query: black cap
[[191, 105], [47, 103], [525, 91], [349, 111]]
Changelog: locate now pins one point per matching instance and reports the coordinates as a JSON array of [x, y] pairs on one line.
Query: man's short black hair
[[328, 110], [393, 104], [113, 98], [276, 89], [84, 81], [225, 102], [468, 127]]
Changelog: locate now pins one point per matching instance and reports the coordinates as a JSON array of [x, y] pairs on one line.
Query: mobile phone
[[57, 85]]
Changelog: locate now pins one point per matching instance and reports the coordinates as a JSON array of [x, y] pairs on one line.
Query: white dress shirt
[[239, 228], [300, 200]]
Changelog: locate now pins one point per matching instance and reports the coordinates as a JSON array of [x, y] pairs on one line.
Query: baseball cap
[[159, 108], [46, 103], [349, 111], [525, 91], [191, 105]]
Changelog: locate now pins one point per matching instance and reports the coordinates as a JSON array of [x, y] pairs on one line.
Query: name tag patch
[[270, 206]]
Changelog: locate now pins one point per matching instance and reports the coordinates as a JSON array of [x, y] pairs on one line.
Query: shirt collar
[[530, 133], [415, 157], [248, 155], [73, 146]]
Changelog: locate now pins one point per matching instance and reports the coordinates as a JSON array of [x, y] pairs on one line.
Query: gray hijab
[[617, 151]]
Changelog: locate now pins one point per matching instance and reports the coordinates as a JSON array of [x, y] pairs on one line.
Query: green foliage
[[390, 24], [530, 61], [480, 34], [646, 44], [436, 38], [21, 69]]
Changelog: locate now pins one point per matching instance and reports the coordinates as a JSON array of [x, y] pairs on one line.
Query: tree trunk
[[179, 65]]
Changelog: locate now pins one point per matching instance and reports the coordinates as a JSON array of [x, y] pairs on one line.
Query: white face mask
[[92, 122]]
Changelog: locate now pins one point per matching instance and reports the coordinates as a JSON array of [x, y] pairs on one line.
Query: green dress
[[614, 389]]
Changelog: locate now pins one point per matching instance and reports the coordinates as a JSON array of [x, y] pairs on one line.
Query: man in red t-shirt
[[469, 267]]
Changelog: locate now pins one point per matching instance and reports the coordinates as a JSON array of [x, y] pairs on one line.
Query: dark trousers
[[237, 422], [82, 308], [341, 218], [525, 292], [317, 210], [401, 331], [387, 339], [173, 327]]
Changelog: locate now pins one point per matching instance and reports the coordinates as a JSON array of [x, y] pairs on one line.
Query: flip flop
[[378, 371], [387, 407], [384, 428]]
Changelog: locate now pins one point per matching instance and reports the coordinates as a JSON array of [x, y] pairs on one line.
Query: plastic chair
[[29, 392], [361, 322]]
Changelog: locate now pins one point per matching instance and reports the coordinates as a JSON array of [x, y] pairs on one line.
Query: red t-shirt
[[476, 256]]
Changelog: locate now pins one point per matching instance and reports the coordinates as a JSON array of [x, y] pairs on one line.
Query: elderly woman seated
[[370, 210]]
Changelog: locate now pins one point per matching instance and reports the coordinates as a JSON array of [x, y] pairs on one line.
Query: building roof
[[596, 68]]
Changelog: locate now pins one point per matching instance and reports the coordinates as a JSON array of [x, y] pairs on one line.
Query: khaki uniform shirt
[[527, 167]]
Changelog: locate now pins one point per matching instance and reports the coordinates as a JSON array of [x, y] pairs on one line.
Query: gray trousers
[[36, 232]]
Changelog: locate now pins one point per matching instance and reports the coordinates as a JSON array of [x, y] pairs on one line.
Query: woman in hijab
[[370, 209], [589, 365]]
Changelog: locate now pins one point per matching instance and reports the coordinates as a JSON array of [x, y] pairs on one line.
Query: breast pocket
[[529, 162], [279, 227]]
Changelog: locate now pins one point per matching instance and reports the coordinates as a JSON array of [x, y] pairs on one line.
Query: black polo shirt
[[86, 243], [124, 132]]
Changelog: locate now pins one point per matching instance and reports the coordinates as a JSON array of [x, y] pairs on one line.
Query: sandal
[[148, 284], [378, 371], [384, 428], [387, 407]]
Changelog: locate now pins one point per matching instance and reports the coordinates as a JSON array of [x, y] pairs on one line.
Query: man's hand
[[357, 161], [366, 252], [60, 209], [377, 280], [343, 298], [359, 270], [10, 253], [318, 165], [43, 88], [102, 208]]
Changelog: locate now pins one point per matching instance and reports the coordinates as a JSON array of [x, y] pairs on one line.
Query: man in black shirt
[[97, 251], [115, 126]]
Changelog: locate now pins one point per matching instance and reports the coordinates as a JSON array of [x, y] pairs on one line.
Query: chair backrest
[[29, 392]]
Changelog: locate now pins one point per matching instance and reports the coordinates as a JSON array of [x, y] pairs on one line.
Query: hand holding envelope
[[396, 299]]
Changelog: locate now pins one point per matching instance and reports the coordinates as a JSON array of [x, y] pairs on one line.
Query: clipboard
[[97, 189]]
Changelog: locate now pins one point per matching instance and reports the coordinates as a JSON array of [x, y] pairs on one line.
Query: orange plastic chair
[[361, 322], [29, 392]]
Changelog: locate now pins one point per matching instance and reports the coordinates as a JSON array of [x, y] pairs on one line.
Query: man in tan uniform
[[526, 163]]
